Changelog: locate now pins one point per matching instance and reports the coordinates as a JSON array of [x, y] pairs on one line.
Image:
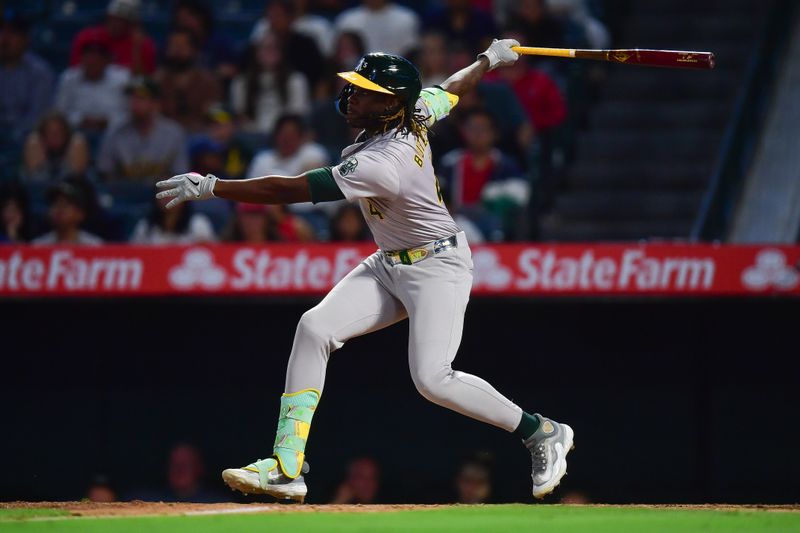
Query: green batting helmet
[[383, 73]]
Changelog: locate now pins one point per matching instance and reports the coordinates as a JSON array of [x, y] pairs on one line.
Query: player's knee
[[431, 384], [313, 327]]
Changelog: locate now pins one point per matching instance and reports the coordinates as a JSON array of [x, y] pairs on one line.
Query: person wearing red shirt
[[130, 46]]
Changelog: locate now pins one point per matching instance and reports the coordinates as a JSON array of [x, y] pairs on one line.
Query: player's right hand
[[191, 186], [500, 53]]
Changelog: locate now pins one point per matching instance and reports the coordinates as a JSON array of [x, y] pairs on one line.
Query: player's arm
[[498, 54], [315, 185]]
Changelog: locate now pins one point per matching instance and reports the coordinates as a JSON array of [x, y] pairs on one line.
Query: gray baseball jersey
[[392, 178]]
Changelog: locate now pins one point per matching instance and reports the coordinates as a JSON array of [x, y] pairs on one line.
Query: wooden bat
[[648, 58]]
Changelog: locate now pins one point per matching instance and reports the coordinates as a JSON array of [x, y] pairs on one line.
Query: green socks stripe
[[527, 426]]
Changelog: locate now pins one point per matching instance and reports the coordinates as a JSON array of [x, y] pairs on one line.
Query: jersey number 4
[[438, 190], [374, 210]]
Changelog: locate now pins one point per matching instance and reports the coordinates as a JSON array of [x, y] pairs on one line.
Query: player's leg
[[357, 305], [435, 297]]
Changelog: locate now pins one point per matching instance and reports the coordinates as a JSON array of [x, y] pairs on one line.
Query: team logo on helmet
[[348, 166]]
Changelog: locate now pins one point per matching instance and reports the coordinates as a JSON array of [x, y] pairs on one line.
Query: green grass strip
[[500, 518], [22, 514]]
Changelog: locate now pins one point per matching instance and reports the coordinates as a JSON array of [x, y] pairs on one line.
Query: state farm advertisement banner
[[502, 270]]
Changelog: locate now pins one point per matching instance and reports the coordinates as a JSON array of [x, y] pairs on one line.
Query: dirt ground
[[140, 508]]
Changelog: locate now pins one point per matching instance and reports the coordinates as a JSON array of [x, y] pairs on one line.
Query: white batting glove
[[191, 186], [500, 53]]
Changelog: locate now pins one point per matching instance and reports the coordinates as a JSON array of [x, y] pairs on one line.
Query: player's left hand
[[500, 53], [190, 186]]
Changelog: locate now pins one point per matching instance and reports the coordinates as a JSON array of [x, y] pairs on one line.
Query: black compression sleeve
[[322, 186]]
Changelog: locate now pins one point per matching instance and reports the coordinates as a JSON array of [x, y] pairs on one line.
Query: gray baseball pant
[[433, 294]]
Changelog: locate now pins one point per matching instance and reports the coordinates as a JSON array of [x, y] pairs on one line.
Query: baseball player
[[422, 270]]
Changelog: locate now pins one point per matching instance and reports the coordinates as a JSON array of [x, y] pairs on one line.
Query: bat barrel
[[663, 58]]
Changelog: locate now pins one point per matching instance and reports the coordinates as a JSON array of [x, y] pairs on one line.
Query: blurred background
[[683, 399]]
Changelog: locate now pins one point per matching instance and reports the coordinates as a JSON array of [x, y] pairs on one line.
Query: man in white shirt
[[92, 94], [384, 26]]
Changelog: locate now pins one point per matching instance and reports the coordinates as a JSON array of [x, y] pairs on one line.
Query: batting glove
[[191, 186], [500, 53]]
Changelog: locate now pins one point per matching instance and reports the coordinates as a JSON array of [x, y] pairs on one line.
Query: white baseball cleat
[[549, 447], [265, 477]]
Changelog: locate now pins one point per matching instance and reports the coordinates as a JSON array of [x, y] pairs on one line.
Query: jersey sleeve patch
[[368, 174], [438, 103]]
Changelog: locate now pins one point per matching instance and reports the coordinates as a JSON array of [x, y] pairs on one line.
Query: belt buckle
[[444, 244]]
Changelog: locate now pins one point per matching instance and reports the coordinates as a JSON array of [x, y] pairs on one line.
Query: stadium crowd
[[100, 99]]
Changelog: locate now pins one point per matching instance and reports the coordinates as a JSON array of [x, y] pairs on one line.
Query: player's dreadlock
[[407, 123]]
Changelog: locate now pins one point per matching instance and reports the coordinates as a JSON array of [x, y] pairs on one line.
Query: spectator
[[147, 147], [216, 51], [15, 219], [361, 483], [178, 225], [130, 46], [461, 21], [207, 157], [69, 208], [54, 151], [533, 19], [221, 129], [474, 480], [311, 25], [433, 59], [92, 93], [596, 34], [384, 25], [268, 88], [300, 50], [26, 81], [294, 152], [187, 89], [100, 491], [348, 225], [258, 224]]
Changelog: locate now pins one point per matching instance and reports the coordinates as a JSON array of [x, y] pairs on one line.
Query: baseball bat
[[648, 58]]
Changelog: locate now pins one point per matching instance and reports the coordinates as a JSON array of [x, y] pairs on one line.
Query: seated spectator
[[185, 480], [26, 81], [533, 19], [130, 46], [465, 172], [348, 225], [461, 21], [15, 218], [433, 60], [147, 147], [68, 210], [207, 157], [257, 223], [294, 151], [348, 51], [178, 225], [268, 88], [187, 89], [100, 490], [216, 51], [300, 50], [92, 93], [313, 26], [361, 484], [474, 480], [221, 129], [54, 151], [384, 26]]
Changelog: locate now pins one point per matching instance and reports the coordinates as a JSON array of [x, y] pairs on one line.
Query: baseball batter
[[422, 270]]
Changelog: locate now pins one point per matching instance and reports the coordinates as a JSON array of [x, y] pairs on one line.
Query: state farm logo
[[197, 270], [488, 271], [770, 270]]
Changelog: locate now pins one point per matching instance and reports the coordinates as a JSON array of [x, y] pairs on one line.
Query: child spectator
[[187, 89], [92, 93], [178, 225], [130, 46], [69, 208], [258, 224], [268, 88], [385, 26], [26, 81], [54, 151], [15, 219], [147, 147], [348, 225]]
